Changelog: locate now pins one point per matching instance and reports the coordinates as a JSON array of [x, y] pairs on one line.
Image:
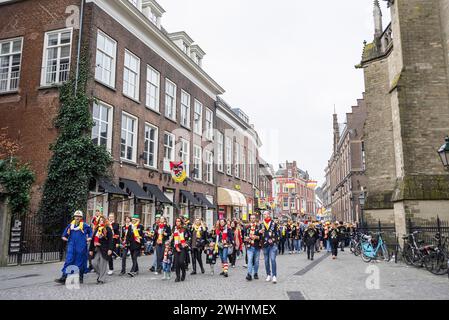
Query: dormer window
[[152, 10], [153, 17], [136, 3], [185, 47]]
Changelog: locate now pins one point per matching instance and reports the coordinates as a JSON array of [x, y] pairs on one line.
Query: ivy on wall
[[17, 180], [76, 159]]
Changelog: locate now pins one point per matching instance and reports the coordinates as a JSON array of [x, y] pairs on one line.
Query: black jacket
[[311, 235], [272, 233], [198, 242], [248, 241], [106, 243], [166, 230], [131, 243]]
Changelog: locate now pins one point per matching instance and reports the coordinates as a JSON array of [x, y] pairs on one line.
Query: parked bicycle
[[414, 250], [436, 261], [374, 247]]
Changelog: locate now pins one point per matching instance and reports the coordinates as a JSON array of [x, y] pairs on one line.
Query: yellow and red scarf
[[136, 233], [198, 230], [266, 223], [160, 233], [178, 236], [99, 234]]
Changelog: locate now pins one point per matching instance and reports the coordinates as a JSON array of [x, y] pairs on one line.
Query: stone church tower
[[406, 74]]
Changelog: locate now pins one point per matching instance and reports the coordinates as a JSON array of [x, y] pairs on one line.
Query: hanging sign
[[178, 171]]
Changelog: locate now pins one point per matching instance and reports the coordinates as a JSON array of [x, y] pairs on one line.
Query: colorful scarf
[[75, 227], [178, 236], [252, 232], [266, 222], [136, 233], [160, 233], [101, 232], [198, 230]]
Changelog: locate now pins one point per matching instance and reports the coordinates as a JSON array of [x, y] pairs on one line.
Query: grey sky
[[285, 63]]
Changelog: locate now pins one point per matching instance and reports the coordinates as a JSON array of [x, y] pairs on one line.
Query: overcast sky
[[285, 63]]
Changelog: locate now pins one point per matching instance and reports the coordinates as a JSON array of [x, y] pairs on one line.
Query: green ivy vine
[[76, 159], [17, 179]]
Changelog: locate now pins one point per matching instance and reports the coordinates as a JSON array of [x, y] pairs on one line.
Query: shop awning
[[156, 193], [204, 201], [109, 187], [133, 187], [227, 197], [193, 201]]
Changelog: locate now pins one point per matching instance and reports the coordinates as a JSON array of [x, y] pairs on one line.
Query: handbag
[[230, 250]]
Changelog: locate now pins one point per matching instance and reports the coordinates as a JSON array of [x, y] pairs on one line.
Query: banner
[[178, 171]]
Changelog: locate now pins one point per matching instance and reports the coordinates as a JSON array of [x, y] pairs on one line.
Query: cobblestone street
[[298, 279]]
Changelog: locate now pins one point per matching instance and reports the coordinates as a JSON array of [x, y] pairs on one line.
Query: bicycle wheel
[[358, 249], [407, 254], [429, 261], [385, 253], [439, 263], [417, 259]]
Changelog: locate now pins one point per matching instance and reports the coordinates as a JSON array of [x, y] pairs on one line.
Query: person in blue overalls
[[77, 235]]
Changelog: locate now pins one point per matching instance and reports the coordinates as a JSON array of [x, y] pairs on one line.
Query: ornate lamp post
[[443, 152], [362, 204]]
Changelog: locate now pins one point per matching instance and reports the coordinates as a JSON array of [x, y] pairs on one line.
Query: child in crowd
[[167, 261], [211, 256]]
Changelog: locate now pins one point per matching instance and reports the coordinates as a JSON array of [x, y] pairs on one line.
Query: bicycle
[[413, 252], [436, 261], [372, 248]]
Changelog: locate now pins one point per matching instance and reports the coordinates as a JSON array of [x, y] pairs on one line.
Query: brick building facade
[[292, 192], [347, 165], [152, 103], [407, 98]]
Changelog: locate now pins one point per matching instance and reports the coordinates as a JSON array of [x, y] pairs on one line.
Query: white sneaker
[[110, 272], [268, 279], [274, 280]]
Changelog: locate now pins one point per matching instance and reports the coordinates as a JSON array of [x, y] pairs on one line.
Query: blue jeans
[[223, 253], [166, 267], [297, 245], [328, 245], [269, 254], [253, 260]]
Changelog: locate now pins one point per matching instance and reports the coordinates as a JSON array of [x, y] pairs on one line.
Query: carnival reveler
[[116, 239], [223, 239], [252, 241], [123, 243], [180, 245], [101, 248], [198, 239], [162, 233], [310, 238], [270, 239], [134, 242], [77, 235]]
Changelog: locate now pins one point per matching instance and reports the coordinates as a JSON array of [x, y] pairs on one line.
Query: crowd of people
[[95, 246]]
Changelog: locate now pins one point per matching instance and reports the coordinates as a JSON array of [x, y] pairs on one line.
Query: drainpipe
[[79, 46]]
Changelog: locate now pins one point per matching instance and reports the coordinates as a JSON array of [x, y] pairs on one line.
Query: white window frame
[[243, 155], [172, 107], [197, 162], [109, 123], [228, 155], [153, 83], [198, 118], [9, 73], [184, 154], [126, 90], [209, 124], [100, 69], [185, 109], [220, 151], [58, 79], [209, 166], [136, 3], [251, 169], [237, 159], [169, 157], [156, 144], [134, 145]]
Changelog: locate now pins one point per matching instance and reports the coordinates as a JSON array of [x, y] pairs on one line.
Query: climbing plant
[[16, 178], [76, 159]]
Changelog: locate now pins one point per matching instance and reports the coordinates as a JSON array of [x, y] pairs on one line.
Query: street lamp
[[443, 152], [362, 204]]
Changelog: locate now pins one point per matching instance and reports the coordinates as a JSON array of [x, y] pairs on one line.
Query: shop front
[[231, 204]]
